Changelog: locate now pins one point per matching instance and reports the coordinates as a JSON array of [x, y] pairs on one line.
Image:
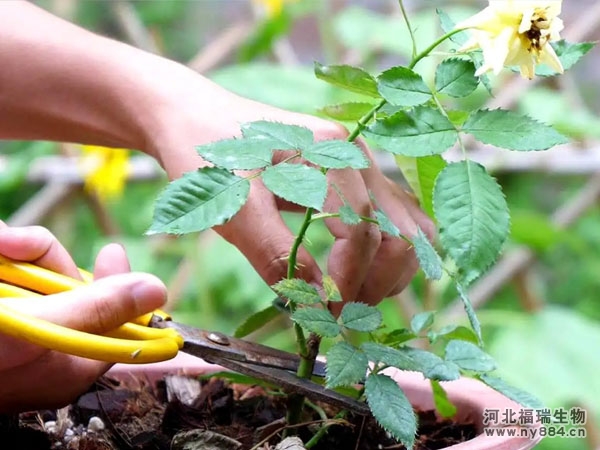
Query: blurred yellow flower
[[272, 8], [105, 170], [516, 33]]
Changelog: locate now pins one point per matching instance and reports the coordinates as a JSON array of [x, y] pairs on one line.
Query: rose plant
[[405, 115]]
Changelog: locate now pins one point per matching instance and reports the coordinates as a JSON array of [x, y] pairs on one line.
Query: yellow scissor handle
[[130, 343]]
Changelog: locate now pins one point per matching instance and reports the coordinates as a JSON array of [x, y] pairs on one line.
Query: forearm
[[60, 82]]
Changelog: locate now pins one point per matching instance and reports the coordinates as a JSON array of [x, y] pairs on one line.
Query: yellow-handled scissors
[[151, 338]]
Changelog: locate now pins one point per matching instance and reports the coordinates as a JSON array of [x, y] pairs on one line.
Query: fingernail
[[150, 293]]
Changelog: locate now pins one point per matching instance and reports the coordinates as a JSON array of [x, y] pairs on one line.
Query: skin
[[60, 82], [116, 297]]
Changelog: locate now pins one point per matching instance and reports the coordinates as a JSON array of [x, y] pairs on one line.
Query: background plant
[[552, 302]]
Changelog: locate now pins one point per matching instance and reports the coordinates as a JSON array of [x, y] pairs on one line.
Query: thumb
[[260, 233], [101, 306]]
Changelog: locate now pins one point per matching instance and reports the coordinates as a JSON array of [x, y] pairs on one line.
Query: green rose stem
[[307, 358], [364, 120], [309, 349], [410, 30]]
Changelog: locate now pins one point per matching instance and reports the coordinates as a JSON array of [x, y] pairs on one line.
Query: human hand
[[32, 377], [120, 96], [365, 264]]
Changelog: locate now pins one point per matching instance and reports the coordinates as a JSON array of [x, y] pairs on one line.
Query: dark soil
[[140, 417]]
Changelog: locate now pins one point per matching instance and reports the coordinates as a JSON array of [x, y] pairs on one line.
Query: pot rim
[[470, 396]]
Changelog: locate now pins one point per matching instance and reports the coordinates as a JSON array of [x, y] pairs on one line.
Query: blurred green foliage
[[552, 353]]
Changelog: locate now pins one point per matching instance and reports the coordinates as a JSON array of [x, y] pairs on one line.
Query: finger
[[260, 233], [395, 263], [101, 306], [355, 245], [39, 246], [392, 269], [111, 260]]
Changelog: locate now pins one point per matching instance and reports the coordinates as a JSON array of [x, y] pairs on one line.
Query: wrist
[[187, 111]]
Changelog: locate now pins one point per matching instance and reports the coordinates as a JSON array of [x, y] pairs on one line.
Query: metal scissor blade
[[259, 361], [212, 345], [293, 384]]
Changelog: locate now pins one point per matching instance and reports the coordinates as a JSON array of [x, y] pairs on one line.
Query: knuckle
[[42, 234], [364, 208], [274, 268], [396, 290], [326, 130], [334, 131], [109, 309], [396, 250], [372, 236]]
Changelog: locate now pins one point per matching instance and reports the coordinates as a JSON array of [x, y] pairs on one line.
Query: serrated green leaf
[[407, 358], [568, 53], [297, 183], [457, 117], [473, 216], [318, 321], [256, 321], [385, 224], [346, 365], [403, 87], [448, 25], [360, 317], [297, 291], [279, 135], [456, 77], [348, 215], [443, 405], [332, 293], [428, 258], [518, 395], [479, 60], [198, 201], [461, 39], [389, 356], [508, 129], [391, 408], [238, 154], [420, 132], [351, 111], [422, 321], [431, 365], [451, 332], [473, 319], [353, 79], [389, 110], [420, 174], [469, 356], [543, 104], [396, 337], [335, 154]]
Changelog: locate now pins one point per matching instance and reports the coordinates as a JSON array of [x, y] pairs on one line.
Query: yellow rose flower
[[105, 170], [515, 33]]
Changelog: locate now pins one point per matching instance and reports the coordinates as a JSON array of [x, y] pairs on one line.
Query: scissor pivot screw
[[218, 338]]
